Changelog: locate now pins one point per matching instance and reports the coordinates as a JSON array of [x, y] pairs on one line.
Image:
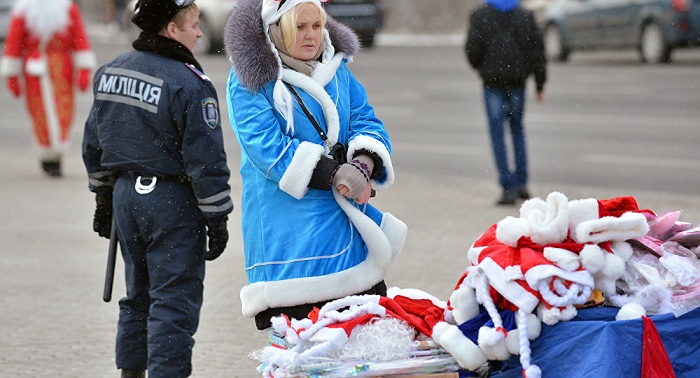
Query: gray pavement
[[52, 317]]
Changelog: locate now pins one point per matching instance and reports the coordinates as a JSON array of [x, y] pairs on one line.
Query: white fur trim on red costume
[[511, 229], [10, 66], [84, 59], [296, 178], [464, 304], [627, 226], [545, 272], [548, 220], [510, 290], [562, 258], [467, 354], [473, 254], [580, 211]]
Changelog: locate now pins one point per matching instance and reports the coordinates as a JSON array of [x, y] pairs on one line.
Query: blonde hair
[[288, 23]]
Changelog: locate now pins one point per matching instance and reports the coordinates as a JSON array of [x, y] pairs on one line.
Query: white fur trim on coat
[[315, 90], [382, 244], [296, 178], [370, 144]]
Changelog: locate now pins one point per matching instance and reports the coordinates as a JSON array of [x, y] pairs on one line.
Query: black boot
[[129, 373], [52, 168], [508, 197], [523, 193]]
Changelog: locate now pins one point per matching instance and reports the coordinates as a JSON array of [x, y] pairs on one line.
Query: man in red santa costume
[[47, 51]]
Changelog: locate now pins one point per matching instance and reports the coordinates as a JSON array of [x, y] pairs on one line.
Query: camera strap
[[310, 116]]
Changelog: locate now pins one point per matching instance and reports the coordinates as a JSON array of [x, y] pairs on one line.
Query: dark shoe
[[129, 373], [523, 193], [52, 168], [508, 197]]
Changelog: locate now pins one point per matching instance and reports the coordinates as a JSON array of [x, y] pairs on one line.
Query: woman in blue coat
[[309, 233]]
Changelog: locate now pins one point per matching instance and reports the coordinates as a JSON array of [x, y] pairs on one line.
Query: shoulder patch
[[210, 112], [198, 72]]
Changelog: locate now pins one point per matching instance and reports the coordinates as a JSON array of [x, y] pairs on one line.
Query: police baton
[[111, 260]]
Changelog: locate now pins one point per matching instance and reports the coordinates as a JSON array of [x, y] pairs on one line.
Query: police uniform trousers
[[162, 240]]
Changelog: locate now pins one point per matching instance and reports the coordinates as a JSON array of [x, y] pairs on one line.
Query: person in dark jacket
[[506, 46], [154, 153]]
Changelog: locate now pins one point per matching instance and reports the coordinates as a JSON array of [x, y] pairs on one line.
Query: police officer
[[154, 153]]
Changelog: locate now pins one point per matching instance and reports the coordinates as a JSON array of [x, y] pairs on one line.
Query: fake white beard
[[44, 17], [382, 339]]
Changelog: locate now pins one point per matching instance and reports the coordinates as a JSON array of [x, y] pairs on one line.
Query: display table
[[594, 344]]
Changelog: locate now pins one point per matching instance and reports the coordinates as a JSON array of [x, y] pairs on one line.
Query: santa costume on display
[[47, 51], [545, 262]]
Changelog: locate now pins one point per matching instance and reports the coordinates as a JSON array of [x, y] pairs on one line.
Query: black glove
[[218, 237], [102, 222]]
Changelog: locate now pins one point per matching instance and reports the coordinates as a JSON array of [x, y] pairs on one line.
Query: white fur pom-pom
[[622, 249], [614, 266], [549, 316], [492, 342], [592, 258], [632, 310], [490, 336]]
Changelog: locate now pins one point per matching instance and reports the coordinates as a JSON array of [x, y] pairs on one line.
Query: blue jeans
[[507, 105]]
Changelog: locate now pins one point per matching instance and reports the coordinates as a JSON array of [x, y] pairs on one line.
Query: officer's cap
[[152, 15]]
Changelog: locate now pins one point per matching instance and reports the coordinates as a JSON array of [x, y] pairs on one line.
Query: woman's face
[[309, 31]]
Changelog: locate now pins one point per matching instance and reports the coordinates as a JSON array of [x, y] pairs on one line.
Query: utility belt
[[145, 182]]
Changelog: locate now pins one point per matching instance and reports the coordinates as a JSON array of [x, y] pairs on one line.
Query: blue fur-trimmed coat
[[304, 245]]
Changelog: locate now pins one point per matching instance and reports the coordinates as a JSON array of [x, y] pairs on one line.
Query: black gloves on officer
[[102, 222], [218, 237]]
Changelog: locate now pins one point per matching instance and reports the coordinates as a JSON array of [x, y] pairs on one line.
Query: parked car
[[5, 10], [213, 15], [365, 17], [654, 27]]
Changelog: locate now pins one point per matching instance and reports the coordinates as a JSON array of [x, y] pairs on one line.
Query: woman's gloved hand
[[352, 178]]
